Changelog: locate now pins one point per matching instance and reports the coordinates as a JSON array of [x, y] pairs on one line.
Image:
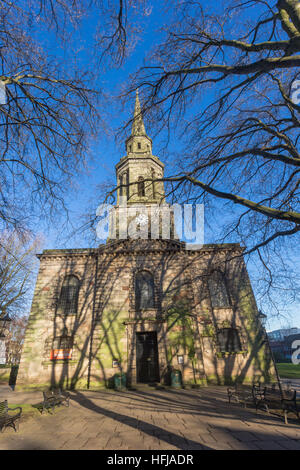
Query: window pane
[[63, 342], [121, 185], [218, 291], [141, 186], [144, 290], [69, 295], [228, 340], [62, 348]]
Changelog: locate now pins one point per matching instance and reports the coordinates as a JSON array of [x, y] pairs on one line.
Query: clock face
[[141, 219]]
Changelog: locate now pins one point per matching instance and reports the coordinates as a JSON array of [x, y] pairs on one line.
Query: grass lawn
[[288, 370], [27, 409]]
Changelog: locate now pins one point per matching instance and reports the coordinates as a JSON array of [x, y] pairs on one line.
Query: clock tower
[[140, 189], [139, 169]]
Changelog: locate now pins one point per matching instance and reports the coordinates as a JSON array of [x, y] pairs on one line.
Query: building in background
[[282, 343], [279, 335]]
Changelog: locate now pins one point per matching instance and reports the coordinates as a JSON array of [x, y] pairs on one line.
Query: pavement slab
[[149, 419]]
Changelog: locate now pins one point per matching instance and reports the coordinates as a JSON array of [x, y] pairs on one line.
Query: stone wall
[[106, 323]]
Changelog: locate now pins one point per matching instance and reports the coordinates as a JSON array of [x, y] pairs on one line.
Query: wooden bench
[[53, 398], [7, 419], [274, 399]]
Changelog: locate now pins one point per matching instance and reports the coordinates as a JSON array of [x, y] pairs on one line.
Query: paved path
[[154, 419]]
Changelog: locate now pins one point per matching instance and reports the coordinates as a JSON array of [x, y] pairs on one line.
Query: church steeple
[[138, 142], [139, 177], [138, 169], [138, 126]]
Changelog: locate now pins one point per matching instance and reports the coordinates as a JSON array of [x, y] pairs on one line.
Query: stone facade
[[205, 325]]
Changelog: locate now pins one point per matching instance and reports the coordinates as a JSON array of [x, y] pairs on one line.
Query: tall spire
[[138, 126], [138, 143]]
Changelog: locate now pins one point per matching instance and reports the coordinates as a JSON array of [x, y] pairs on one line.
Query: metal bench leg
[[17, 425]]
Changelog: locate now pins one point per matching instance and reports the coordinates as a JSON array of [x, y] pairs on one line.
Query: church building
[[143, 306]]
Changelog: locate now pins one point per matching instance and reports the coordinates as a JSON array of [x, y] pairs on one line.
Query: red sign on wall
[[60, 354]]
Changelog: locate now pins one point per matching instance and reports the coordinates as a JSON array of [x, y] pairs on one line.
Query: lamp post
[[262, 319]]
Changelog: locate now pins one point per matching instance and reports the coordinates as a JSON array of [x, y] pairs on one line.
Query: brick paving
[[151, 420]]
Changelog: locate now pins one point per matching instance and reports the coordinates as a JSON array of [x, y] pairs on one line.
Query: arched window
[[127, 183], [229, 340], [144, 290], [153, 183], [218, 291], [141, 186], [121, 186], [69, 295]]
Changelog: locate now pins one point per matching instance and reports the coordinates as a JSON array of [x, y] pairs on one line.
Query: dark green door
[[147, 357]]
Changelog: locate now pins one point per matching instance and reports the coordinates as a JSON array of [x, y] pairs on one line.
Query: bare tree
[[17, 269], [226, 79], [14, 339], [229, 83], [50, 96], [46, 111], [251, 130]]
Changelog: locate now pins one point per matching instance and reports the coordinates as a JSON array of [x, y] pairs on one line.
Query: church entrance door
[[147, 357]]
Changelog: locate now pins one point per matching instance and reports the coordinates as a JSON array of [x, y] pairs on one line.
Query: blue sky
[[105, 152]]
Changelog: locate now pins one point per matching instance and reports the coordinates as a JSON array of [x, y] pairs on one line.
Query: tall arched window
[[218, 291], [121, 186], [144, 290], [141, 186], [69, 295]]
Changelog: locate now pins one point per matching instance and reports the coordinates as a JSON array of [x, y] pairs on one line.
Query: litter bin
[[176, 378], [120, 381]]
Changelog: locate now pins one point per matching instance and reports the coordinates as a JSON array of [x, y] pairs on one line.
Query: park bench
[[7, 419], [274, 399], [53, 398], [242, 394]]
